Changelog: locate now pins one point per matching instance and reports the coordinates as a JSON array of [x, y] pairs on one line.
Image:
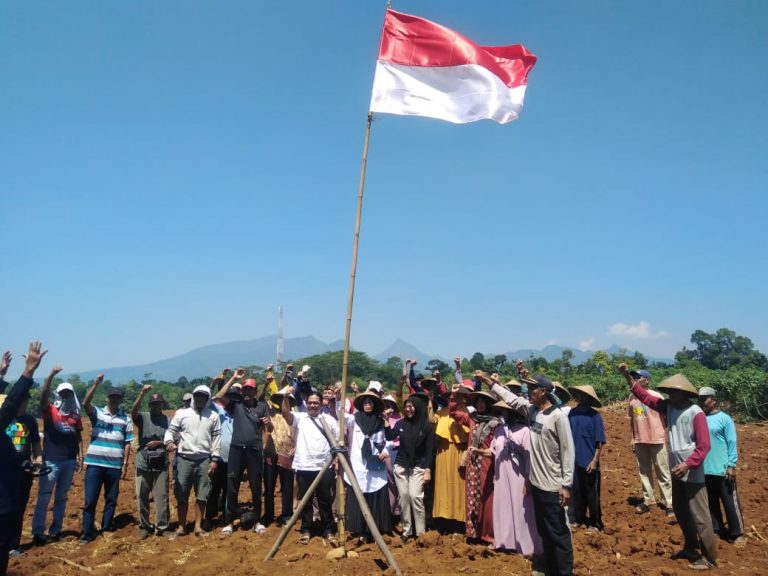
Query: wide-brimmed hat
[[528, 381], [378, 404], [428, 382], [390, 399], [277, 397], [466, 387], [514, 386], [503, 405], [561, 392], [187, 397], [474, 396], [678, 382], [588, 391]]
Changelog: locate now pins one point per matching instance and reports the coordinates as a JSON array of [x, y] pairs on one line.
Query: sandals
[[305, 537], [331, 539], [227, 530], [176, 534], [701, 564]]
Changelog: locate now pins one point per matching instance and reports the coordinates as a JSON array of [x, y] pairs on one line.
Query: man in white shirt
[[312, 451]]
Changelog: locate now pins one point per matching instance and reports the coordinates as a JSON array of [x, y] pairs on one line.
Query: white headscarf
[[66, 406]]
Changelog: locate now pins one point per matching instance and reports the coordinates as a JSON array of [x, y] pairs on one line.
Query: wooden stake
[[350, 301], [304, 501]]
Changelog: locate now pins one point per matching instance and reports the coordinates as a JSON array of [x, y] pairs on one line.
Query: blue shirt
[[109, 435], [226, 430], [587, 429], [722, 453]]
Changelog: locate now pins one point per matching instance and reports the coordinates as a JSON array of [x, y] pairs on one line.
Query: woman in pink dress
[[514, 521]]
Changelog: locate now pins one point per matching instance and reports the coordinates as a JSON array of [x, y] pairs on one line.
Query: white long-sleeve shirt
[[199, 433]]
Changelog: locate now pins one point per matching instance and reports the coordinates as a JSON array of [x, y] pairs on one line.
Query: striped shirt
[[109, 435]]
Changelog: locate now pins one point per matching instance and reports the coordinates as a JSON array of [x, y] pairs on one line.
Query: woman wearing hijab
[[412, 466], [62, 451], [451, 445], [368, 455], [479, 465], [393, 416], [514, 521]]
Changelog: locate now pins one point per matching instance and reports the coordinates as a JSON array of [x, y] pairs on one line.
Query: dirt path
[[630, 544]]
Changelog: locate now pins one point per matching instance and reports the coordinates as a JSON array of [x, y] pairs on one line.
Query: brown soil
[[630, 544]]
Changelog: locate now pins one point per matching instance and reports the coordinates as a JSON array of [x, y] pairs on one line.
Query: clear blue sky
[[171, 172]]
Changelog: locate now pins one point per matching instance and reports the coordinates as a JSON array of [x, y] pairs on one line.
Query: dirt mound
[[630, 544]]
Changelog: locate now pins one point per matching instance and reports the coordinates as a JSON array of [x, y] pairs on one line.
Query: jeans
[[95, 478], [57, 483]]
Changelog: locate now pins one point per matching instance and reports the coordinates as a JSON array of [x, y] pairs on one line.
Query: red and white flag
[[425, 69]]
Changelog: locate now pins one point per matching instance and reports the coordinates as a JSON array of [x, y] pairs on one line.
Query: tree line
[[723, 360]]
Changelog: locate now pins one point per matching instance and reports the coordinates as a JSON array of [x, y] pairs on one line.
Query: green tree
[[477, 362], [722, 350]]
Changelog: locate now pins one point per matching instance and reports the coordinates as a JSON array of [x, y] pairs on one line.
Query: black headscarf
[[369, 423], [415, 431], [485, 423]]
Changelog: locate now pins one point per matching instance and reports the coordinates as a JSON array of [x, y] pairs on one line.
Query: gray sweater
[[552, 451]]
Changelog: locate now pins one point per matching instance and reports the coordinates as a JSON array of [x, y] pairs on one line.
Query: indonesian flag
[[425, 69]]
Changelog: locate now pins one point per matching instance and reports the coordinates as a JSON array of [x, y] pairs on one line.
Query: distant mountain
[[209, 360], [553, 352], [403, 350]]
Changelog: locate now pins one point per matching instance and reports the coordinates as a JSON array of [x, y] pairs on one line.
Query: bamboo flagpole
[[350, 301]]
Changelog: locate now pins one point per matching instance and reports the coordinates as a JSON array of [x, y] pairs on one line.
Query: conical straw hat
[[678, 382], [590, 392]]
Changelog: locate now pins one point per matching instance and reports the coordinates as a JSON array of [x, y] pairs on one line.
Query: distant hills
[[209, 360]]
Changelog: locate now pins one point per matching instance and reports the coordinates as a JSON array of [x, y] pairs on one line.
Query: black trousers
[[554, 532], [325, 493], [720, 490], [242, 458], [7, 534], [24, 487], [271, 474], [217, 499], [585, 497]]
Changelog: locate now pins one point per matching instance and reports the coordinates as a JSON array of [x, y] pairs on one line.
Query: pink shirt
[[647, 424]]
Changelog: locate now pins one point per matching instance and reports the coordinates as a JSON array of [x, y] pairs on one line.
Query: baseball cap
[[640, 374], [187, 397], [707, 391], [156, 397], [542, 382], [115, 392], [250, 383], [375, 385]]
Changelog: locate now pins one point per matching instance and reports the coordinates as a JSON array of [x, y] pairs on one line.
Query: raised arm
[[654, 402], [285, 406], [517, 403], [20, 390], [137, 403], [457, 370], [45, 392], [89, 395], [238, 374]]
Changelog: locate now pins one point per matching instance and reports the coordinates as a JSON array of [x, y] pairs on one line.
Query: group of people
[[511, 465]]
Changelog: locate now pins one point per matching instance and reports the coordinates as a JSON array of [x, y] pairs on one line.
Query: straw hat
[[503, 405], [678, 382], [428, 382], [514, 386], [378, 404], [489, 398], [391, 400], [588, 391], [466, 387], [562, 393]]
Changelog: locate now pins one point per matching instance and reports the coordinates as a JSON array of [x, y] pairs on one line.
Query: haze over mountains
[[209, 360]]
